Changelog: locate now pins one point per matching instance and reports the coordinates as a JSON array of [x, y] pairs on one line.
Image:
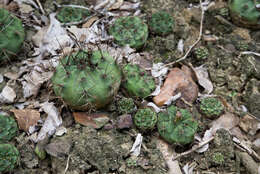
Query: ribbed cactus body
[[11, 34], [9, 157], [176, 126], [8, 128], [87, 80]]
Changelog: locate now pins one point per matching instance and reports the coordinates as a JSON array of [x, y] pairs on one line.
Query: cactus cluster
[[211, 107], [129, 30], [9, 157], [176, 126], [136, 81], [8, 128], [86, 80], [245, 13], [11, 34], [161, 23], [72, 14], [201, 53], [145, 119], [126, 106]]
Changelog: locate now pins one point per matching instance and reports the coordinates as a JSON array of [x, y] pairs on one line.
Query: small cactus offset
[[161, 23], [86, 80], [8, 128], [72, 14], [130, 30], [126, 106], [145, 119], [11, 35], [211, 107], [136, 82], [176, 126], [9, 157], [245, 13], [201, 53]]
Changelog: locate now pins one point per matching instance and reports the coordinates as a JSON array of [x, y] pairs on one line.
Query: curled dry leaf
[[26, 118], [178, 80], [116, 4], [52, 122], [7, 95], [95, 120], [203, 79], [136, 148]]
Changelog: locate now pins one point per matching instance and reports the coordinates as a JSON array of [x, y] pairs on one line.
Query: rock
[[124, 121], [59, 148]]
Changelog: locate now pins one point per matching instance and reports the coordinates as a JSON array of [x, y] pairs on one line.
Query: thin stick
[[197, 41], [40, 5], [196, 147], [67, 165]]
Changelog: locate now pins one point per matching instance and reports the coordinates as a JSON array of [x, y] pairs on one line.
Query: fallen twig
[[196, 42], [194, 148]]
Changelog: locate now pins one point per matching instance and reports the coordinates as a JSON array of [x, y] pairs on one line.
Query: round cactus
[[72, 14], [8, 128], [176, 126], [201, 53], [126, 106], [11, 34], [245, 13], [130, 30], [137, 82], [161, 23], [9, 157], [145, 119], [211, 107], [86, 80]]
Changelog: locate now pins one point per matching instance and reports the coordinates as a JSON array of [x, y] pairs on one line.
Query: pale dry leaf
[[168, 153], [203, 79], [26, 118], [52, 39], [159, 70], [12, 75], [136, 148], [90, 22], [52, 122], [128, 6], [7, 95], [116, 4], [33, 81]]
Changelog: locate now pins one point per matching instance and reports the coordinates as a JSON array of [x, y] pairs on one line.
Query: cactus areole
[[11, 35], [87, 80], [245, 13], [176, 126]]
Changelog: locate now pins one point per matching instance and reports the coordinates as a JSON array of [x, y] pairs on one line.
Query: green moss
[[130, 30], [137, 82], [9, 157], [176, 126], [8, 128], [11, 35], [87, 80], [245, 13], [126, 106], [161, 23], [145, 119], [72, 14], [211, 107], [217, 158]]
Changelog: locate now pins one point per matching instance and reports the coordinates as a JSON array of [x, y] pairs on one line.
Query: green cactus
[[11, 34], [137, 82], [201, 53], [86, 80], [72, 14], [161, 23], [8, 128], [130, 30], [126, 106], [9, 157], [176, 126], [145, 119], [211, 107], [245, 13]]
